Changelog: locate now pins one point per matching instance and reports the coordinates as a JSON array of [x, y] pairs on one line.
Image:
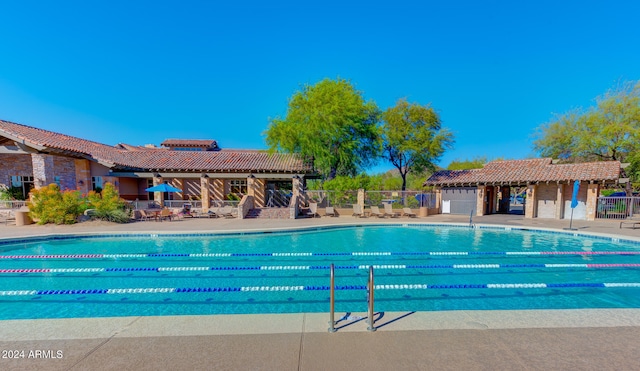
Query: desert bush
[[50, 205], [108, 205]]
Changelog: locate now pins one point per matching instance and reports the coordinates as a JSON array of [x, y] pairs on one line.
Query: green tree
[[331, 123], [476, 163], [608, 131], [413, 138]]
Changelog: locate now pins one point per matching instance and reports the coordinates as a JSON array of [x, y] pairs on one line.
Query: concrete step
[[269, 213]]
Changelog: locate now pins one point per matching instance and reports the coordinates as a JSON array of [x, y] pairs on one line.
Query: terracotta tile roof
[[527, 171], [126, 157], [189, 143]]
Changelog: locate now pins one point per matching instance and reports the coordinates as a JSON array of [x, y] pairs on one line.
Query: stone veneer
[[65, 168], [42, 169], [20, 165]]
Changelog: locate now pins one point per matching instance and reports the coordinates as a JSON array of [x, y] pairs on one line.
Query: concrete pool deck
[[597, 339]]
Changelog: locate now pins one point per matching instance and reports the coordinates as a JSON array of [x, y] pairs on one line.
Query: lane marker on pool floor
[[309, 254], [422, 286], [311, 267]]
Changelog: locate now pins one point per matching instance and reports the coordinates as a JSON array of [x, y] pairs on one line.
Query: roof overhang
[[228, 175]]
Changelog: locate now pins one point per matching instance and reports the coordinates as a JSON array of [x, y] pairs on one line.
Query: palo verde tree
[[413, 138], [608, 131], [331, 123]]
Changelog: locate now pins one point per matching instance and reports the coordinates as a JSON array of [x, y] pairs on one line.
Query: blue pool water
[[417, 268]]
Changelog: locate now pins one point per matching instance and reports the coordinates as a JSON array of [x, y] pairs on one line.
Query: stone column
[[43, 171], [531, 202], [360, 198], [204, 192], [251, 186], [297, 190], [83, 175], [297, 187], [439, 200], [158, 197], [480, 200], [592, 200], [560, 201]]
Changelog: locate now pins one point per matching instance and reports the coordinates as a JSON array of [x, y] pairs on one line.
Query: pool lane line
[[420, 286], [312, 267], [281, 254]]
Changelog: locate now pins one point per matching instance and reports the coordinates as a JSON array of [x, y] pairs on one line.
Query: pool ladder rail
[[332, 300]]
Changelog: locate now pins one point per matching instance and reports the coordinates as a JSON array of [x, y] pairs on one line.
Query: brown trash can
[[424, 211]]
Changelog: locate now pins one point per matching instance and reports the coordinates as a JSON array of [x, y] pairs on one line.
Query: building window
[[238, 186], [96, 183], [21, 185]]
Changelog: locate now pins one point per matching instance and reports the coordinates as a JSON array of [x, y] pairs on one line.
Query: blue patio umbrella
[[574, 197], [164, 187], [574, 201]]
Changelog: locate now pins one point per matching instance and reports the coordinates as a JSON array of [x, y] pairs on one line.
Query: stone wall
[[14, 165], [42, 169], [65, 168]]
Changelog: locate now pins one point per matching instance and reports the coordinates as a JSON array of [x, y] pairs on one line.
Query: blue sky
[[140, 72]]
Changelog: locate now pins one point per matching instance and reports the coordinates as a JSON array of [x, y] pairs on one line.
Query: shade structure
[[163, 188]]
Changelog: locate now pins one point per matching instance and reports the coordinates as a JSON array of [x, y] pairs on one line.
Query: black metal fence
[[617, 207]]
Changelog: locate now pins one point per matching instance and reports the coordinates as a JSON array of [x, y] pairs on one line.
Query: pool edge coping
[[272, 230]]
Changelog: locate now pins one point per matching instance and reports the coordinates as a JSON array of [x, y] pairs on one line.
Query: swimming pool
[[417, 268]]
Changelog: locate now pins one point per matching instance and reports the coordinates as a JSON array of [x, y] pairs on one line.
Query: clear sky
[[140, 72]]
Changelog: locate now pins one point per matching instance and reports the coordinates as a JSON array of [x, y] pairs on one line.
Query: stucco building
[[549, 187], [32, 157]]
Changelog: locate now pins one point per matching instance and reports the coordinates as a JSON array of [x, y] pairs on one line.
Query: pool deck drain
[[590, 339]]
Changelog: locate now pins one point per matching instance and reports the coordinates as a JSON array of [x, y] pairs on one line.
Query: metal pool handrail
[[370, 300], [332, 300]]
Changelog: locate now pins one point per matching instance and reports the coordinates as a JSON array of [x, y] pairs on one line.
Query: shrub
[[108, 205], [4, 193], [50, 205], [15, 193]]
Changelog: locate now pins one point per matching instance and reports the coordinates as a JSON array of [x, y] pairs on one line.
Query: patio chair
[[358, 211], [407, 212], [375, 211], [313, 210], [144, 216], [227, 212], [176, 213], [7, 216], [634, 221], [165, 214], [388, 210], [213, 212], [329, 211]]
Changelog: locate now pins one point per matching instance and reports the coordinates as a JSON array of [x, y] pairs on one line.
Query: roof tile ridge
[[52, 132]]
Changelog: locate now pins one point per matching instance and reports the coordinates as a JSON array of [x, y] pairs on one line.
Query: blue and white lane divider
[[422, 286], [311, 267], [308, 254]]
